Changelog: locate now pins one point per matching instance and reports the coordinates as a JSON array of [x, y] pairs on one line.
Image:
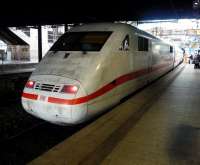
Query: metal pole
[[66, 27], [39, 43]]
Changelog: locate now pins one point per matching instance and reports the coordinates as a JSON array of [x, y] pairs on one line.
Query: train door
[[142, 60], [150, 59]]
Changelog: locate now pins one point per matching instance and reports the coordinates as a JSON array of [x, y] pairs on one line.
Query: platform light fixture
[[196, 4]]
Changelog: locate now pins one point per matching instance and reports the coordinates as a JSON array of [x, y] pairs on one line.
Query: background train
[[93, 67]]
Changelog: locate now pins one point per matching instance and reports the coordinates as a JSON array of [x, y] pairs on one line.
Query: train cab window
[[143, 44], [125, 44], [81, 41], [171, 49]]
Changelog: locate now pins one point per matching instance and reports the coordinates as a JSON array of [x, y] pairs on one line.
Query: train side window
[[171, 49], [143, 44], [125, 43]]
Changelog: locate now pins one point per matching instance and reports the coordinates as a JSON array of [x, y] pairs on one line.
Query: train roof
[[113, 27]]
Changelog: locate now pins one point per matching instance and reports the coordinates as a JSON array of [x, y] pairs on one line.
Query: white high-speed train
[[93, 67]]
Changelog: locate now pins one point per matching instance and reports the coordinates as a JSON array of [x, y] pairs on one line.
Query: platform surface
[[158, 126], [16, 68]]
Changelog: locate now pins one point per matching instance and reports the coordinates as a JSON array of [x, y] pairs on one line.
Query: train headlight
[[72, 89], [30, 84]]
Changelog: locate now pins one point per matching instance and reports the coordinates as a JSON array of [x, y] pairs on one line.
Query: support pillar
[[39, 43]]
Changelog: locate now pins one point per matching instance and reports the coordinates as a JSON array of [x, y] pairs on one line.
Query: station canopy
[[17, 13]]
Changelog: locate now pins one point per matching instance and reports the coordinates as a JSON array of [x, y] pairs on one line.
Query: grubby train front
[[57, 90]]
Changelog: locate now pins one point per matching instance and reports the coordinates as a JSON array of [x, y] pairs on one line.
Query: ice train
[[92, 67]]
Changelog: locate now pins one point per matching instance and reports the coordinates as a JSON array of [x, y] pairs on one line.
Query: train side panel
[[178, 56], [132, 69], [162, 59]]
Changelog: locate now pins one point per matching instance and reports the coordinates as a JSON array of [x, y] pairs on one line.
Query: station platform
[[16, 68], [157, 126]]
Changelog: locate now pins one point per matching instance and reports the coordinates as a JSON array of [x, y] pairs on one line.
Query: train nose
[[53, 98]]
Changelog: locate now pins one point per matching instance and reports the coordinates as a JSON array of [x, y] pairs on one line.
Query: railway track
[[23, 137], [32, 142], [21, 133]]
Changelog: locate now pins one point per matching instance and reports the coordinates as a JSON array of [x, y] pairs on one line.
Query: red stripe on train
[[30, 96], [104, 89], [101, 91]]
